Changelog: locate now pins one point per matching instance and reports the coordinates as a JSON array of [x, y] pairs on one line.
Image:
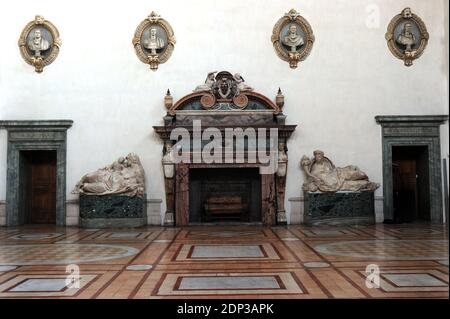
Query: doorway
[[411, 183], [38, 187]]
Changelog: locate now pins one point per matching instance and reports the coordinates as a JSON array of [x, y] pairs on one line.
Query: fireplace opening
[[224, 195]]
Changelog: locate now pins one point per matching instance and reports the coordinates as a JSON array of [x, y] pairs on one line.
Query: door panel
[[411, 183], [407, 194], [41, 194]]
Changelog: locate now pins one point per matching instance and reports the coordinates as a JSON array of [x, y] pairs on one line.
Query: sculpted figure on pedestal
[[125, 176], [323, 176]]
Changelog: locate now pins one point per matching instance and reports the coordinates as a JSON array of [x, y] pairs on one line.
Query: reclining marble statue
[[124, 176], [323, 176]]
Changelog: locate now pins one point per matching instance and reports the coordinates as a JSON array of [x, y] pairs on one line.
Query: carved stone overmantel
[[224, 102]]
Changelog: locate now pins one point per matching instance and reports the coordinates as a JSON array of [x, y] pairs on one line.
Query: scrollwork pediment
[[223, 91]]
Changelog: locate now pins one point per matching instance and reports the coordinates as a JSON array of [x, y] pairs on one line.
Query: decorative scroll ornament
[[223, 87], [407, 36], [223, 91], [292, 38], [39, 43], [154, 41]]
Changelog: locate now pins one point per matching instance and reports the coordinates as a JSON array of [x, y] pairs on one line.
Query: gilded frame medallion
[[407, 36], [292, 38], [39, 43], [154, 41]]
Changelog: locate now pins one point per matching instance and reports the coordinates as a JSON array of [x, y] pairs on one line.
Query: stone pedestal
[[341, 208], [112, 211]]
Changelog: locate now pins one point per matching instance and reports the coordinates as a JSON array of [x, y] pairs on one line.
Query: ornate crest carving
[[223, 91], [39, 43], [223, 88], [154, 41], [407, 36], [292, 38]]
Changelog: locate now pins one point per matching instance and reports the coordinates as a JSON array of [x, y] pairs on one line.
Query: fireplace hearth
[[224, 194]]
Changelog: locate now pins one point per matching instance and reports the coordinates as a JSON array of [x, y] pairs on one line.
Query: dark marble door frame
[[412, 130], [48, 135]]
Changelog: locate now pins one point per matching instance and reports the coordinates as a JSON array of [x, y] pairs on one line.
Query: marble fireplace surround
[[266, 115], [268, 194], [177, 188]]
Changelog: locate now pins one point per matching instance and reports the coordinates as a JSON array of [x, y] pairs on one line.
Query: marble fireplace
[[239, 188]]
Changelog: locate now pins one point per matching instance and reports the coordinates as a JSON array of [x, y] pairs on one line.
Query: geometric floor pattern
[[379, 261], [410, 249], [54, 254]]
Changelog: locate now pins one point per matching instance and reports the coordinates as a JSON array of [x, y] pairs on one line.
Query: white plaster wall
[[114, 99]]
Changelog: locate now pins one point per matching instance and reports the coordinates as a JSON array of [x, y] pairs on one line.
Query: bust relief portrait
[[39, 43], [154, 41], [407, 36], [292, 38]]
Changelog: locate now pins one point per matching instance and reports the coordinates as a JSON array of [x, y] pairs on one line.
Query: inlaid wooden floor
[[225, 262]]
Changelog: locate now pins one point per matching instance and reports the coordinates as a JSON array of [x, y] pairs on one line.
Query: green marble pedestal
[[341, 208], [109, 211]]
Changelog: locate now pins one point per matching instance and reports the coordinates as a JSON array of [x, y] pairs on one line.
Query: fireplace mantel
[[240, 109]]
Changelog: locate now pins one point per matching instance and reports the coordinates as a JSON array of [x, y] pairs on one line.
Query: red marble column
[[268, 196], [182, 195]]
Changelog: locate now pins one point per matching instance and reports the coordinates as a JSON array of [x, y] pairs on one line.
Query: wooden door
[[405, 188], [42, 187]]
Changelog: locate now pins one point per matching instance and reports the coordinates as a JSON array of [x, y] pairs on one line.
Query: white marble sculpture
[[154, 42], [323, 176], [293, 39], [125, 176], [406, 37], [240, 83], [38, 43], [209, 82]]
